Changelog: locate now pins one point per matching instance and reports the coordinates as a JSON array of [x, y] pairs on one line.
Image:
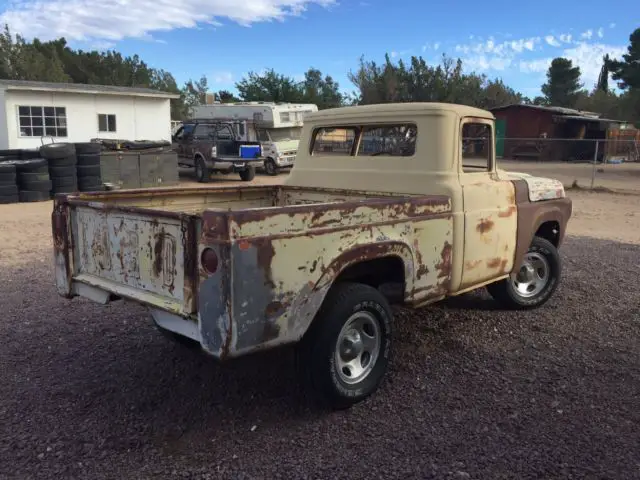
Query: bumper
[[285, 162]]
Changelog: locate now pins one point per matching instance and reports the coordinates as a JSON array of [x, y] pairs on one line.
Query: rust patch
[[444, 266], [497, 262], [273, 309], [473, 264], [485, 225], [243, 245], [510, 211], [266, 252], [158, 248]]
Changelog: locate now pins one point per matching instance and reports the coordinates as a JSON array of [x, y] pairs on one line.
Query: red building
[[549, 133]]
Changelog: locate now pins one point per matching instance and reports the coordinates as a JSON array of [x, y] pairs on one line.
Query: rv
[[276, 126]]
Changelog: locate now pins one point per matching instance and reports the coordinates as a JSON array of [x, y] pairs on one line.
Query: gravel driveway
[[91, 391]]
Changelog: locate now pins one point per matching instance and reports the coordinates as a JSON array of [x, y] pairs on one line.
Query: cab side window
[[477, 147]]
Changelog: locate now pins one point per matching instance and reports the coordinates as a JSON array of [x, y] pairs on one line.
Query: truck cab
[[211, 146]]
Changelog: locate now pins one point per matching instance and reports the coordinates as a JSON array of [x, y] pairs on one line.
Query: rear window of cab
[[393, 139]]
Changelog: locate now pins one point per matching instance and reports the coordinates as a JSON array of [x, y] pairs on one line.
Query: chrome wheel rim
[[357, 347], [533, 275]]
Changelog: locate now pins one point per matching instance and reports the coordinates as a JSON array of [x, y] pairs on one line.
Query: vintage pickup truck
[[420, 214]]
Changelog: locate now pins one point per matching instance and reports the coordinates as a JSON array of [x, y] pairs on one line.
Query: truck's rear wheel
[[203, 174], [344, 355], [535, 282], [247, 174]]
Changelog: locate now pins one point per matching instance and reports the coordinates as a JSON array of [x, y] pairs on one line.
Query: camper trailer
[[276, 126]]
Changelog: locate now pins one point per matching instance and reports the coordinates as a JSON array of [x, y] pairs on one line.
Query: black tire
[[38, 186], [89, 160], [8, 190], [55, 151], [4, 199], [58, 182], [34, 196], [66, 171], [71, 161], [316, 353], [7, 178], [270, 167], [92, 188], [8, 167], [203, 173], [505, 292], [33, 165], [30, 177], [248, 174], [29, 154], [89, 181], [65, 189], [88, 148], [89, 171]]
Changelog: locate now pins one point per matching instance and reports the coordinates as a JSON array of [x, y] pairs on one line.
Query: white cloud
[[394, 54], [565, 37], [550, 39], [612, 25], [588, 56], [96, 19], [534, 66], [600, 32], [222, 77], [436, 45], [588, 34]]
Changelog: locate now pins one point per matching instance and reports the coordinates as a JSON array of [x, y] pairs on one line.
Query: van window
[[395, 140], [476, 147], [333, 141]]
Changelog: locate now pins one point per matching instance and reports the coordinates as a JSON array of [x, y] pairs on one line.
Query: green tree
[[323, 91], [603, 78], [225, 96], [269, 87], [563, 83], [627, 70], [420, 82]]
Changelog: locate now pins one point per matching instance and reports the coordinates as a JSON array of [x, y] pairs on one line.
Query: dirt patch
[[605, 215]]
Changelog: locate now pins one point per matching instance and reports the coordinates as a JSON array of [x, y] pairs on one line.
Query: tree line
[[414, 80]]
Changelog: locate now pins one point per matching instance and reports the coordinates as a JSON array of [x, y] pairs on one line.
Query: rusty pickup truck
[[386, 204]]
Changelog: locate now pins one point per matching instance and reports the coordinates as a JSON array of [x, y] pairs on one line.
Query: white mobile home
[[37, 112]]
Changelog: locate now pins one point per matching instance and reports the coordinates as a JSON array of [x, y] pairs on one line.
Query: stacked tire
[[88, 167], [62, 166], [8, 183], [33, 180]]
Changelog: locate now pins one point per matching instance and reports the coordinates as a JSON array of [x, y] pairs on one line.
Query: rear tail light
[[214, 151], [209, 260]]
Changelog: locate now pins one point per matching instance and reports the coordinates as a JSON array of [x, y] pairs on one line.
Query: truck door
[[490, 212]]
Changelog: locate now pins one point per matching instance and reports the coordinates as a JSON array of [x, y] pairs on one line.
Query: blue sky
[[225, 39]]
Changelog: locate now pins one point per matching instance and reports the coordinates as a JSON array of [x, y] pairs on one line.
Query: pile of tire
[[88, 167], [62, 161], [8, 183], [34, 183]]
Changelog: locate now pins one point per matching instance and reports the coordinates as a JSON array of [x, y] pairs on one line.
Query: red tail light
[[209, 260]]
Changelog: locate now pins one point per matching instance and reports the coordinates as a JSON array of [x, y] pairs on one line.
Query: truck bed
[[147, 246]]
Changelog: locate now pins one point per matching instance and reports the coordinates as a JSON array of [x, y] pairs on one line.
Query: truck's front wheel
[[344, 355], [536, 280], [270, 167]]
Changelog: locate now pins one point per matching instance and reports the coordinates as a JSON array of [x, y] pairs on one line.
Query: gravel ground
[[92, 391]]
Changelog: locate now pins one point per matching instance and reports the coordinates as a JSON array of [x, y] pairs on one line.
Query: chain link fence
[[612, 163]]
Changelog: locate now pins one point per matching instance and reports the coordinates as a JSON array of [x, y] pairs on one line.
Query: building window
[[106, 123], [42, 121], [284, 117], [476, 147]]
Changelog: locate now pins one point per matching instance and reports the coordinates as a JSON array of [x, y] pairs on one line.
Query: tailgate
[[134, 253]]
